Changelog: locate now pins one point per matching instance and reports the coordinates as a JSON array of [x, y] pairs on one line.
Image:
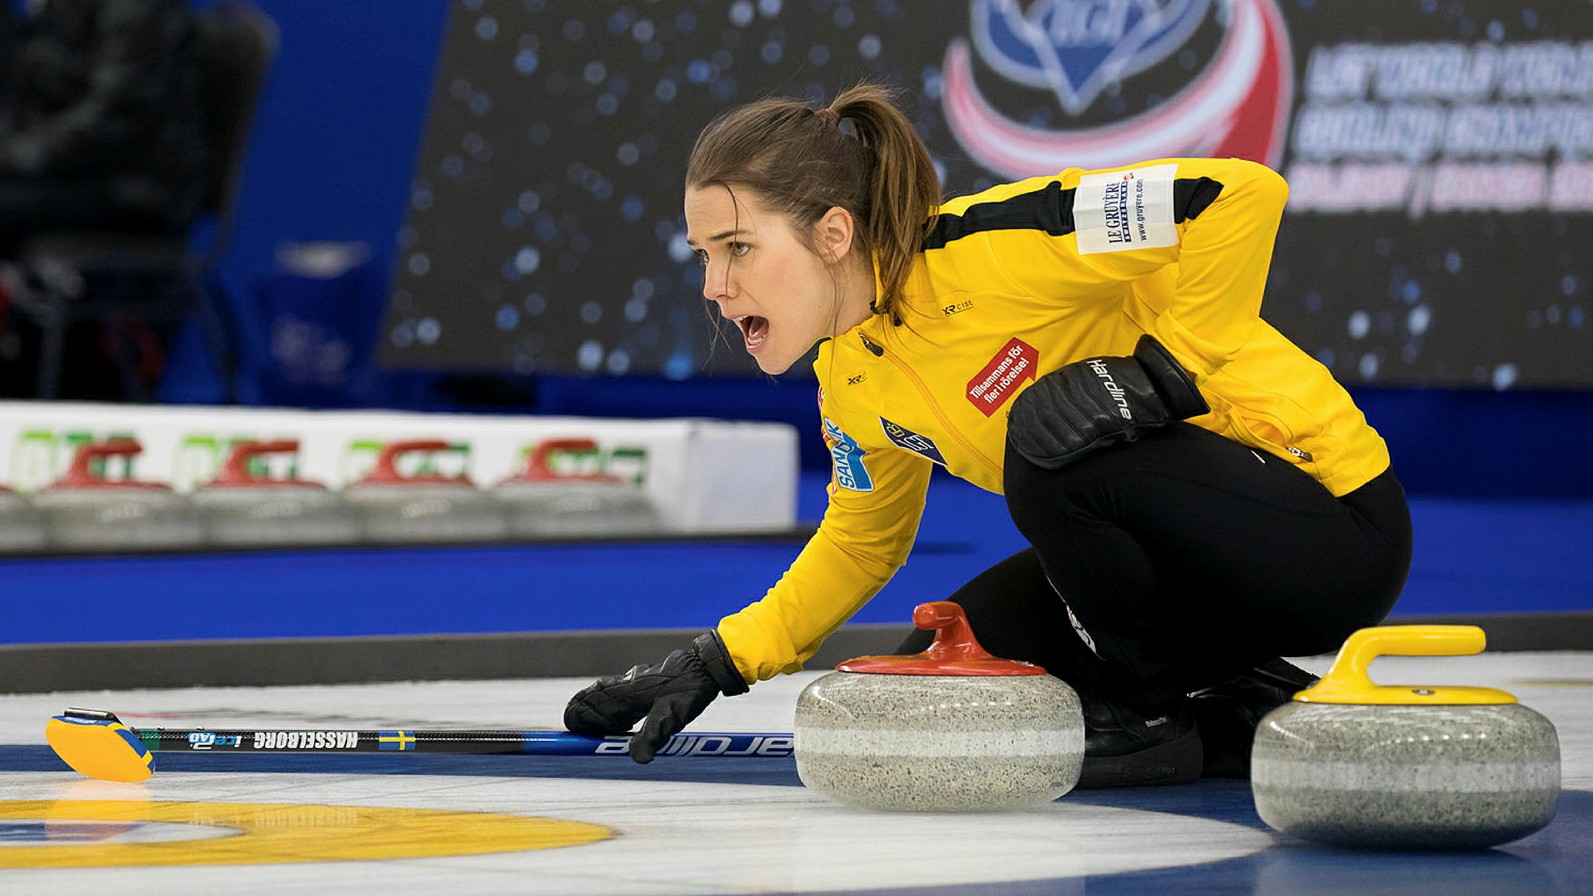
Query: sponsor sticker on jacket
[[850, 471], [991, 387], [1123, 210], [903, 437]]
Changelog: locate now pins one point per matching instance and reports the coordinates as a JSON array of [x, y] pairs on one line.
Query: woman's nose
[[716, 282]]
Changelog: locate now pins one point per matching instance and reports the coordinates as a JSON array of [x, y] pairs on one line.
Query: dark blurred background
[[475, 204]]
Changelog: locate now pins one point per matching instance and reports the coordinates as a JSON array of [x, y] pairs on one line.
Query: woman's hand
[[1097, 402], [664, 697]]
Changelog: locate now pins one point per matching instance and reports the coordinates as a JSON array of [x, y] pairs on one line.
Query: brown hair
[[802, 161]]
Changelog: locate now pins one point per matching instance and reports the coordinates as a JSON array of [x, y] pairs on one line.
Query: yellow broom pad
[[100, 748]]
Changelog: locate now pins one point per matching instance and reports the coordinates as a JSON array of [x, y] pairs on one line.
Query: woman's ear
[[835, 230]]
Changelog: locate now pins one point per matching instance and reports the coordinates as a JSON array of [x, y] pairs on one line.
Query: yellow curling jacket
[[1015, 282]]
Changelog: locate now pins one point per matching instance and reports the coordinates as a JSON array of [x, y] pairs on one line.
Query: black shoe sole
[[1175, 762]]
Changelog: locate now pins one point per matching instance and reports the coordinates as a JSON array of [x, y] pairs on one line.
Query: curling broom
[[96, 744]]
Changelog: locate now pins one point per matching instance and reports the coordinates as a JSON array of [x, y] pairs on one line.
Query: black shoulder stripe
[[1050, 210], [1191, 196]]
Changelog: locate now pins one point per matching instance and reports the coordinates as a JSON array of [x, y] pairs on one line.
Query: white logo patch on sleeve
[[850, 471], [1122, 210]]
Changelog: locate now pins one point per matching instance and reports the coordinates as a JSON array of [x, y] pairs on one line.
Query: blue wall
[[340, 127]]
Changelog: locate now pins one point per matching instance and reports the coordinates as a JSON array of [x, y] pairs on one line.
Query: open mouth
[[754, 330]]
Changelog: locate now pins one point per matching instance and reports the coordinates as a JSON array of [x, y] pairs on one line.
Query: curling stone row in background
[[86, 512], [1347, 763]]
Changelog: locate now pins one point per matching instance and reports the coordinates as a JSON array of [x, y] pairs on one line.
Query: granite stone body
[[1406, 777], [392, 513], [939, 743], [275, 515], [21, 524], [92, 519], [570, 509]]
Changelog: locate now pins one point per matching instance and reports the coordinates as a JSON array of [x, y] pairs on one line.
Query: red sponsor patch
[[991, 387]]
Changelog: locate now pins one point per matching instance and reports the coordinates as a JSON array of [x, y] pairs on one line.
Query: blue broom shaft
[[480, 742]]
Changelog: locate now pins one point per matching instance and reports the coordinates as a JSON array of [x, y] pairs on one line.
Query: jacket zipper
[[940, 415]]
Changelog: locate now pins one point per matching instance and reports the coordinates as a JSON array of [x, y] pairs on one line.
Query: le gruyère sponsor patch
[[850, 471], [1123, 210], [991, 387], [903, 437]]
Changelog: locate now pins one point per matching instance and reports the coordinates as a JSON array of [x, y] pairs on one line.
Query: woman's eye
[[702, 257], [739, 249]]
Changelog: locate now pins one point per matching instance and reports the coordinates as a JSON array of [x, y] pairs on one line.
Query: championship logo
[[1079, 51]]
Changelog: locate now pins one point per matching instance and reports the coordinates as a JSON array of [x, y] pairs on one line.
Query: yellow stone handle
[[1347, 682]]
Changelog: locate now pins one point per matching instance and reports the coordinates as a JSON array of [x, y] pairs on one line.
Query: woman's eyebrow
[[718, 236]]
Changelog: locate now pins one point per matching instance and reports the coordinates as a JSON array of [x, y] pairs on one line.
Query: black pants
[[1185, 559]]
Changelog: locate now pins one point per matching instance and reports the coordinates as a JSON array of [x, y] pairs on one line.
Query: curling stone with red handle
[[546, 503], [84, 511], [952, 729], [1352, 764], [21, 524], [244, 509], [422, 507]]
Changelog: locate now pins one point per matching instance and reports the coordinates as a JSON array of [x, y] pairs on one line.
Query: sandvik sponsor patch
[[912, 441], [991, 387], [1123, 210], [850, 471]]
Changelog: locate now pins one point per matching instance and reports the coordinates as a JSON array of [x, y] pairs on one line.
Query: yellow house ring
[[271, 833]]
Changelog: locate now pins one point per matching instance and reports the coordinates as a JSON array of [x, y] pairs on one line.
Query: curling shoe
[[1128, 747], [1228, 713]]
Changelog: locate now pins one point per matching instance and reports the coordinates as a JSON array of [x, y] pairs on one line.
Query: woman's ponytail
[[903, 189]]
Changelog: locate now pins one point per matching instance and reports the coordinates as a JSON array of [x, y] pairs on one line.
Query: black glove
[[664, 698], [1097, 402]]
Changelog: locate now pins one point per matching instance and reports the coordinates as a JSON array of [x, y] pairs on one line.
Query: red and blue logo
[[1236, 105]]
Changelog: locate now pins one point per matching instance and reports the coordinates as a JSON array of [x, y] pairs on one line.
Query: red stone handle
[[236, 469], [386, 470], [955, 651], [81, 472], [954, 637], [539, 469]]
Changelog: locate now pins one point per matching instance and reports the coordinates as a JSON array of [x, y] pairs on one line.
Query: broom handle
[[459, 742]]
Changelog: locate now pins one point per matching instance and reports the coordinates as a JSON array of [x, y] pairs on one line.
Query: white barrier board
[[704, 476]]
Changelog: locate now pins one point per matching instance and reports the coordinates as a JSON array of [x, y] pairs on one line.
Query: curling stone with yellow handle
[[1351, 763], [952, 729]]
